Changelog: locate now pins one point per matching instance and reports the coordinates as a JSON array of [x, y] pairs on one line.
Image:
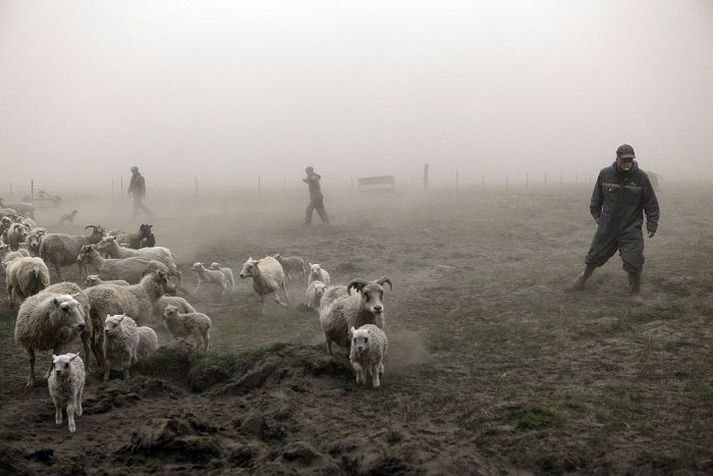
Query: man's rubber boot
[[579, 283], [635, 287]]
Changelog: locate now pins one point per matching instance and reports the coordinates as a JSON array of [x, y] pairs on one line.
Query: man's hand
[[652, 233]]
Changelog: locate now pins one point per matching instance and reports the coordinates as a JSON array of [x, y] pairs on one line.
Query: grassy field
[[493, 367]]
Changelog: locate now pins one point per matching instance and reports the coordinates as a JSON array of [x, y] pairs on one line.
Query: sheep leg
[[358, 370], [329, 348], [86, 345], [206, 339], [11, 296], [58, 268], [375, 375], [195, 291], [125, 364], [70, 417], [31, 377], [78, 399], [107, 369], [57, 411], [381, 368]]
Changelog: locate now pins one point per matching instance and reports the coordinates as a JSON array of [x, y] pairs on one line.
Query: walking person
[[137, 190], [622, 195], [316, 199]]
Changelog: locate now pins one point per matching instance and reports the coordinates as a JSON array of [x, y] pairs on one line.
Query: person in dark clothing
[[316, 199], [137, 190], [622, 194]]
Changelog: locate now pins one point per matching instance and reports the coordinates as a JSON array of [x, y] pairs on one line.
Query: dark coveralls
[[618, 202], [137, 189], [316, 199]]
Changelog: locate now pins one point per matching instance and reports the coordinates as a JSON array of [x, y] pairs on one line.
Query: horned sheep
[[66, 386], [195, 324], [268, 277], [366, 306], [48, 320], [60, 249], [368, 348], [121, 342], [318, 273], [25, 277], [111, 247]]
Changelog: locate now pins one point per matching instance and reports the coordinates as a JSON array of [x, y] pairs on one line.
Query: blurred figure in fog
[[622, 194], [316, 199], [137, 190]]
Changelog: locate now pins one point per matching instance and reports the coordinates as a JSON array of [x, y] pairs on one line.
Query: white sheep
[[66, 386], [69, 217], [209, 276], [26, 209], [366, 306], [268, 277], [26, 277], [16, 234], [111, 247], [59, 249], [318, 273], [181, 304], [368, 348], [34, 241], [313, 296], [331, 294], [292, 264], [227, 272], [148, 342], [47, 320], [195, 324], [121, 342], [94, 280], [128, 269]]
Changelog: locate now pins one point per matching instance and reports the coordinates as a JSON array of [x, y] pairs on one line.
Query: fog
[[228, 90]]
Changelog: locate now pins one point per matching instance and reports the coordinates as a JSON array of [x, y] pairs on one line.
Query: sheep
[[25, 277], [69, 217], [6, 212], [148, 342], [26, 209], [34, 241], [148, 241], [16, 234], [47, 320], [313, 296], [331, 294], [111, 247], [7, 256], [318, 273], [268, 277], [136, 300], [181, 304], [368, 348], [59, 249], [66, 386], [133, 240], [292, 264], [227, 272], [121, 342], [93, 280], [209, 276], [128, 269], [194, 324], [353, 310], [5, 224]]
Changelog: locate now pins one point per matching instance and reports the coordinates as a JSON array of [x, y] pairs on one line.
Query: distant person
[[622, 194], [137, 190], [316, 199]]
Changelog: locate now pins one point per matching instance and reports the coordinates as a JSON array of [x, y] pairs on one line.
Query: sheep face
[[61, 364], [371, 292], [162, 279], [66, 312], [33, 242], [97, 234], [170, 312], [215, 266], [86, 254], [250, 269], [360, 340], [92, 280], [112, 325], [315, 270], [108, 242], [145, 230]]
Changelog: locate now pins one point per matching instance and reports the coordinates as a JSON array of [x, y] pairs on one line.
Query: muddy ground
[[493, 367]]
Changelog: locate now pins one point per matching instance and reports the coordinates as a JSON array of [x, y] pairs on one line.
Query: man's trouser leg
[[631, 250], [308, 213], [602, 248], [322, 212]]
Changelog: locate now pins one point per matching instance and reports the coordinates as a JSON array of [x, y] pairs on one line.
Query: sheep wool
[[121, 341], [368, 348], [66, 387]]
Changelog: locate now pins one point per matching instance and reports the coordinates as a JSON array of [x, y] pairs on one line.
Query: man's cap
[[134, 169], [625, 151]]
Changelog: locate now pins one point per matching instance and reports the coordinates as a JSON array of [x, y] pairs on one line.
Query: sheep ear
[[55, 301], [108, 316], [351, 331], [54, 357], [75, 295]]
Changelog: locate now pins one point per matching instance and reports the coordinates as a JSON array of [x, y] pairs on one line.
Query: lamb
[[26, 209], [111, 247], [180, 303], [69, 217], [292, 264], [194, 324], [369, 346], [313, 296], [353, 310], [209, 276], [26, 277], [227, 272], [136, 300], [47, 320], [318, 273], [59, 249], [148, 342], [121, 342], [128, 269], [93, 280], [268, 277], [66, 386]]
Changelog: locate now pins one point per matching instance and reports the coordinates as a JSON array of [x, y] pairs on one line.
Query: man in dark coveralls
[[316, 199], [137, 190], [622, 194]]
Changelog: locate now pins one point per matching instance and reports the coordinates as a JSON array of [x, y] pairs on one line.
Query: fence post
[[483, 180], [456, 179], [10, 194], [121, 192], [112, 188], [576, 179], [507, 182], [259, 186], [527, 180], [560, 180], [195, 186], [351, 182], [545, 178], [425, 176], [32, 189], [284, 184]]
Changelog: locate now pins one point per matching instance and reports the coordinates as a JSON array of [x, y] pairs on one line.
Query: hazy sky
[[228, 89]]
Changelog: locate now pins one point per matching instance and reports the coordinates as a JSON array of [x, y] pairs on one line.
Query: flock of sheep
[[135, 282]]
